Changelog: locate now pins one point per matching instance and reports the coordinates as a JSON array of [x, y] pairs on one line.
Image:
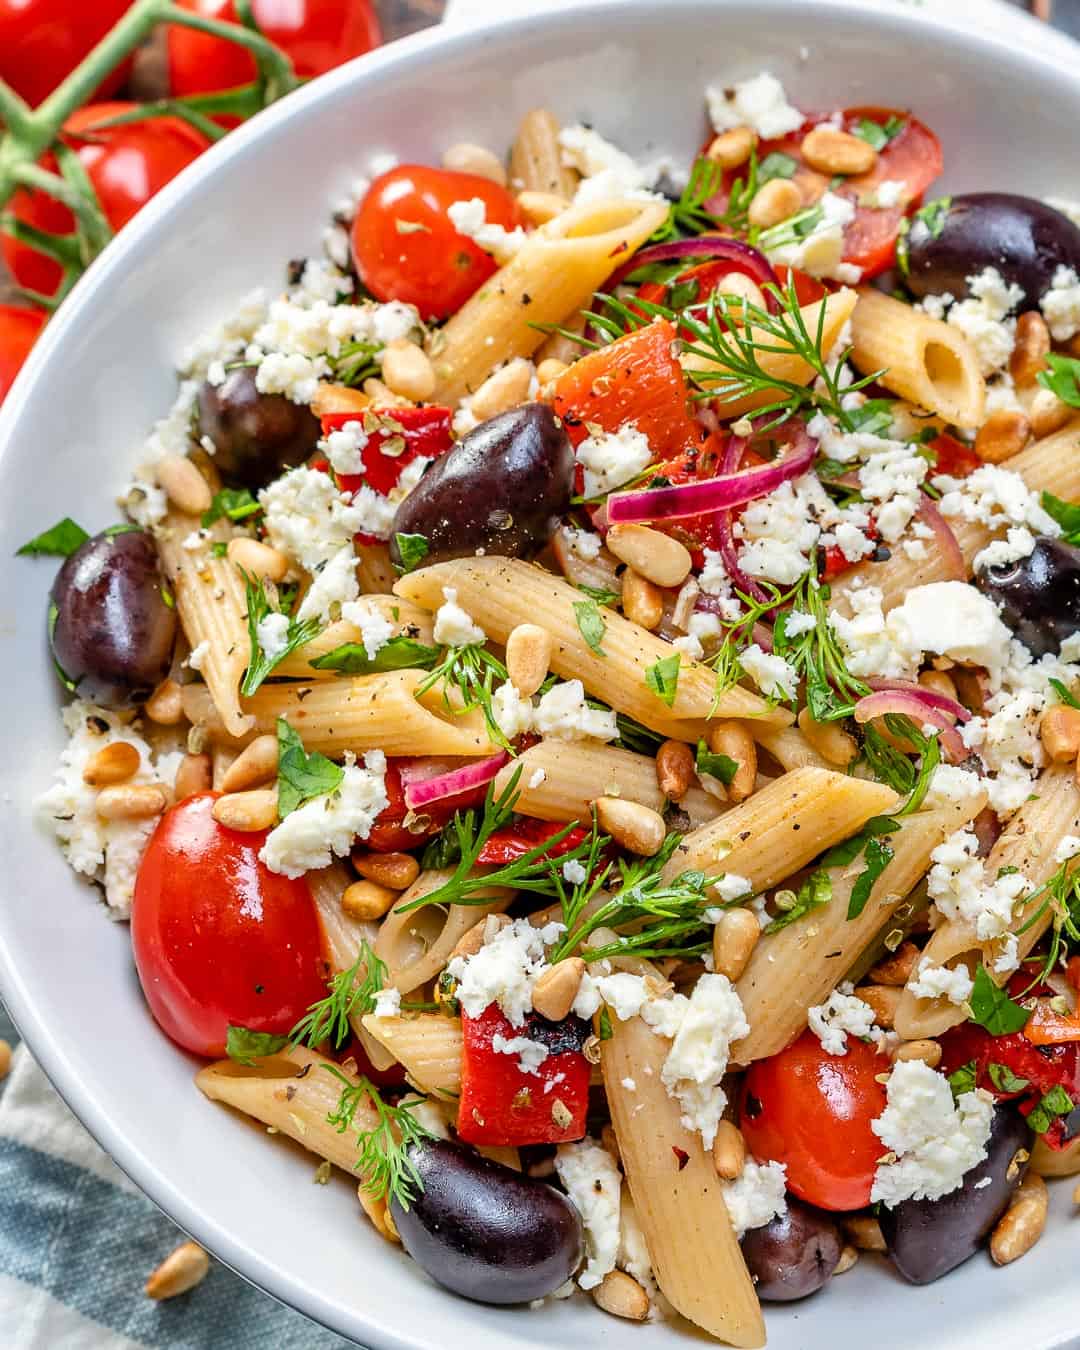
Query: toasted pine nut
[[735, 936], [939, 682], [864, 1231], [674, 769], [367, 900], [165, 706], [194, 775], [830, 150], [829, 739], [928, 1051], [774, 202], [1076, 1194], [381, 393], [503, 390], [1022, 1224], [622, 1296], [1059, 730], [884, 999], [114, 763], [1030, 348], [247, 811], [475, 159], [732, 148], [656, 556], [733, 739], [5, 1058], [634, 827], [540, 207], [528, 657], [181, 1270], [557, 987], [848, 1258], [550, 370], [739, 285], [897, 969], [1002, 435], [183, 484], [471, 941], [396, 870], [407, 370], [642, 600], [131, 801], [728, 1150], [257, 559], [255, 765], [1047, 413]]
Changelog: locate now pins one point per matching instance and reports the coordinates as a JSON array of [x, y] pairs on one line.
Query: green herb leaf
[[1067, 515], [1063, 694], [591, 624], [663, 678], [59, 542], [600, 594], [301, 776], [400, 653], [231, 504], [247, 1046], [1063, 378], [993, 1009], [472, 672], [722, 767], [877, 135], [258, 608], [776, 165], [384, 1151], [878, 855], [1056, 1102], [413, 549], [688, 215], [1003, 1078], [875, 417], [352, 993], [964, 1079], [814, 892], [604, 1022], [933, 216]]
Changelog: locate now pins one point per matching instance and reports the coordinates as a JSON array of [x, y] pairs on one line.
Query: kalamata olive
[[1023, 238], [110, 628], [793, 1255], [256, 436], [1039, 595], [502, 488], [485, 1231], [928, 1238]]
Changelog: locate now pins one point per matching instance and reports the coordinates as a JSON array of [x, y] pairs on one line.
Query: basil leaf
[[600, 594], [246, 1046], [878, 855], [873, 133], [1056, 1102], [1067, 515], [301, 776], [59, 542], [590, 624], [1063, 378], [719, 766], [775, 165], [231, 504], [1004, 1080], [663, 679], [412, 548], [964, 1079], [993, 1009], [260, 664], [874, 417], [400, 653]]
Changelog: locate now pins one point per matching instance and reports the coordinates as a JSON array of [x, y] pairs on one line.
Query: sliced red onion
[[423, 791], [930, 697], [749, 261], [907, 704], [725, 538], [948, 548]]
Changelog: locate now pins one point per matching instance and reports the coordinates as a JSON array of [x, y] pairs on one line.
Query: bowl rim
[[1054, 51]]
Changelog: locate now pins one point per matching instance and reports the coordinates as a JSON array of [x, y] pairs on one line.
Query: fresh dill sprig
[[472, 671], [257, 598], [383, 1152], [1061, 896], [688, 216], [351, 993], [356, 362]]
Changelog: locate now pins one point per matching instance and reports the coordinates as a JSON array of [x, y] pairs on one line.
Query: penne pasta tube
[[374, 569], [678, 1197], [788, 746], [536, 160], [426, 1045], [553, 274], [501, 593], [408, 620]]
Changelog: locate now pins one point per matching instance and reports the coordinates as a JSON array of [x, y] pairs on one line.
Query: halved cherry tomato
[[19, 329], [126, 164], [405, 246], [812, 1111], [513, 841], [219, 939], [953, 457], [390, 834], [425, 430], [42, 41]]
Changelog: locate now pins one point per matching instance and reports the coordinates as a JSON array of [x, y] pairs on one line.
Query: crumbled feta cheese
[[453, 626], [324, 827], [820, 251], [538, 777], [950, 618], [891, 192], [387, 1003], [950, 786], [375, 630], [272, 633], [575, 872], [144, 503], [774, 676], [594, 1184], [610, 460], [309, 520], [1061, 304], [587, 1000], [870, 645], [842, 1014], [730, 886], [892, 479], [513, 714], [1018, 543], [698, 1058], [344, 448], [623, 992], [607, 172], [948, 982], [756, 1196], [759, 103], [799, 623], [564, 714], [983, 317], [958, 885], [584, 543], [1068, 847], [531, 1054], [199, 653], [995, 497], [470, 219], [504, 970]]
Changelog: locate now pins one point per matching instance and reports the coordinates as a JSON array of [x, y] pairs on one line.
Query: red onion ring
[[423, 791], [749, 261], [930, 697], [910, 705], [733, 453], [948, 548]]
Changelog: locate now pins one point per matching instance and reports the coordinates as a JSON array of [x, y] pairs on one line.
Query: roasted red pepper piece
[[390, 834], [953, 457], [513, 841], [425, 430], [500, 1104], [836, 560]]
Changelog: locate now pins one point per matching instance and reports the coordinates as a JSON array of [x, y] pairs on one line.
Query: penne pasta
[[408, 620], [374, 569], [536, 160], [426, 1045], [789, 747]]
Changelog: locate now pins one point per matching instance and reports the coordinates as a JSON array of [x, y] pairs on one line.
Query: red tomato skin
[[432, 267], [513, 841], [390, 834], [127, 166], [954, 457], [427, 434], [218, 938], [812, 1111], [42, 41], [19, 330]]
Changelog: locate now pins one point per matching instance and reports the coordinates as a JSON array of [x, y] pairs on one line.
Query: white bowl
[[70, 433]]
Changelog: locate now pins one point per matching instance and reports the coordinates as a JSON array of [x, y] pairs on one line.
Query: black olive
[[1039, 596], [794, 1254], [256, 436]]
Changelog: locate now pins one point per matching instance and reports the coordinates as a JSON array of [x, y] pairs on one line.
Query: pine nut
[[471, 941], [407, 370], [181, 1270], [528, 657], [898, 968], [540, 207], [1022, 1224], [622, 1296], [557, 987], [475, 159], [733, 739], [848, 1257], [1030, 349], [194, 775], [1059, 730], [131, 801], [550, 370], [829, 739], [383, 395], [927, 1051], [739, 286], [656, 556], [165, 706], [674, 769], [774, 202], [1076, 1194], [830, 150], [398, 871], [642, 600], [732, 148], [183, 484], [114, 763], [247, 811], [735, 936], [254, 766], [1002, 435], [5, 1058], [367, 900], [864, 1232], [505, 389], [257, 559], [639, 829], [1047, 413], [939, 682], [728, 1151], [884, 999]]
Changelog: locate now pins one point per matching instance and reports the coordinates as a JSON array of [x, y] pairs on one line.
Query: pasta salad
[[582, 711]]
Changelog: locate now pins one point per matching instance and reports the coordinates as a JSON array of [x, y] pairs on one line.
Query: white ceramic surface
[[71, 432]]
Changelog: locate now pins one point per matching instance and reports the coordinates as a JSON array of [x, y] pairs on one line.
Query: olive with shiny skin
[[256, 436], [793, 1255], [110, 628], [928, 1238], [503, 488], [1024, 239], [1039, 596], [486, 1231]]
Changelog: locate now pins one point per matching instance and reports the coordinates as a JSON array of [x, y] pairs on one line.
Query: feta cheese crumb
[[453, 626], [531, 1054], [951, 618], [388, 1003], [1068, 848], [563, 713], [344, 448], [513, 714], [756, 1196], [200, 653], [272, 633], [469, 218], [575, 872], [759, 103], [774, 676], [712, 1019], [1061, 304], [594, 1184], [375, 630], [504, 970], [324, 827], [612, 459], [820, 251], [842, 1014], [607, 172], [948, 982]]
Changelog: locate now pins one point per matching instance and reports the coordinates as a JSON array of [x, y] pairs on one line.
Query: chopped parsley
[[1063, 378], [590, 624], [60, 541], [301, 776], [400, 653], [993, 1009], [663, 678]]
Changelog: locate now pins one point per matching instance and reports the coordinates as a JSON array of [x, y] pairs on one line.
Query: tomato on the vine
[[42, 41], [219, 939], [19, 329], [406, 247]]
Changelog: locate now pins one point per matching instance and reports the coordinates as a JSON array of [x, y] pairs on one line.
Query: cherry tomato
[[127, 166], [513, 841], [19, 329], [405, 246], [42, 41], [219, 939], [812, 1111]]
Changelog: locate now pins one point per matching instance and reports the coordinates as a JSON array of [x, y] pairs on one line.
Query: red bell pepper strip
[[390, 833], [513, 841]]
